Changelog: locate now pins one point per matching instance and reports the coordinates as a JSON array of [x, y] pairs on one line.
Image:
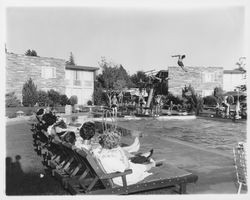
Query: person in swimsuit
[[114, 103], [179, 62]]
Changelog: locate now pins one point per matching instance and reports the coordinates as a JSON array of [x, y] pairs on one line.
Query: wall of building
[[80, 84], [232, 80], [202, 79], [19, 68]]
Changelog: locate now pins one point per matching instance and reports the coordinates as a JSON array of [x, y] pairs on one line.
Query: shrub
[[12, 115], [210, 100], [54, 97], [170, 97], [42, 99], [11, 100], [64, 100], [89, 103], [73, 100], [29, 93], [194, 101]]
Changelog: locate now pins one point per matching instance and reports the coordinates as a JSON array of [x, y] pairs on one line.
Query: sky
[[136, 37]]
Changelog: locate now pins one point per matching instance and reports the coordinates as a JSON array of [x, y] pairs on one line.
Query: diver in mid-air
[[180, 63]]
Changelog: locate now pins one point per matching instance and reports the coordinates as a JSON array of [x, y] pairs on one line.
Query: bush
[[29, 93], [43, 99], [73, 100], [210, 100], [89, 103], [170, 97], [54, 97], [64, 100], [11, 100], [194, 101]]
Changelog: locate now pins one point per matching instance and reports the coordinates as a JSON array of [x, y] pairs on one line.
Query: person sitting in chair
[[69, 137], [87, 132], [114, 159]]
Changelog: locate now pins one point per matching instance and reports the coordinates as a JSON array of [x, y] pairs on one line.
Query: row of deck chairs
[[80, 173]]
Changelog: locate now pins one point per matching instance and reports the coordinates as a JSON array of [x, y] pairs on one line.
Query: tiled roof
[[84, 68]]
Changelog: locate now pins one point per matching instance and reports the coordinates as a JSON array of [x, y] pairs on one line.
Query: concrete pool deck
[[215, 170]]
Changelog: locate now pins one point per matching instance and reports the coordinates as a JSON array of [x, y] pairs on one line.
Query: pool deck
[[215, 170]]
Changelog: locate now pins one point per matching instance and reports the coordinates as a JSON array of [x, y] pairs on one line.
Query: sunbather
[[114, 159], [69, 137], [87, 132]]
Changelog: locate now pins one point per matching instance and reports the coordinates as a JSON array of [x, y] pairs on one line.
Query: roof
[[234, 71], [83, 68]]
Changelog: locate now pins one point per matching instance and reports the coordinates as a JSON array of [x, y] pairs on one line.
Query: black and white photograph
[[125, 98]]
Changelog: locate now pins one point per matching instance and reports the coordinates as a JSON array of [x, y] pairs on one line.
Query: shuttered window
[[48, 72]]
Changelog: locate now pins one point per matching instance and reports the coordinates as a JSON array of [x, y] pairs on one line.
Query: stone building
[[202, 79], [49, 73]]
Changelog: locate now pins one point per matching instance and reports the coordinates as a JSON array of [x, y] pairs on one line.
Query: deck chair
[[95, 181], [240, 166], [57, 157], [71, 167]]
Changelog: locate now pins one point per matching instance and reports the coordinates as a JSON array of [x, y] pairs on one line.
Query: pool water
[[219, 135], [205, 133]]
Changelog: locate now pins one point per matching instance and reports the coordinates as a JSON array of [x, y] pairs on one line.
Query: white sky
[[137, 38]]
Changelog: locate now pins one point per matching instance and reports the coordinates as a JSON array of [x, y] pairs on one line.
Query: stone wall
[[198, 77], [19, 68]]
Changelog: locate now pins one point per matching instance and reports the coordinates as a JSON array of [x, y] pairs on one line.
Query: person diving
[[179, 62]]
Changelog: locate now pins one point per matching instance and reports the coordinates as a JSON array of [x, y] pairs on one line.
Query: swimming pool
[[205, 133], [218, 135]]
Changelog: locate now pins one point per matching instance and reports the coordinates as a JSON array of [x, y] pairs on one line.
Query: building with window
[[233, 78], [202, 79], [80, 82], [49, 73]]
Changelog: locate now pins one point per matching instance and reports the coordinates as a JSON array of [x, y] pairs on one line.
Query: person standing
[[114, 104]]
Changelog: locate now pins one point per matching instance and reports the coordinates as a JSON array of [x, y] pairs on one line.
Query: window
[[76, 79], [208, 77], [48, 72]]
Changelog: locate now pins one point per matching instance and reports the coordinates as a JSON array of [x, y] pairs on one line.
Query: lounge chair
[[70, 167], [94, 181], [240, 166]]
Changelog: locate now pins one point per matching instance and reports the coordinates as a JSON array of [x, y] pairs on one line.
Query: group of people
[[105, 147]]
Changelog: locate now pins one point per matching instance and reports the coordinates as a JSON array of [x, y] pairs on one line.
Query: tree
[[73, 100], [99, 95], [138, 78], [64, 100], [194, 102], [43, 99], [54, 97], [29, 93], [71, 59], [30, 53], [113, 78]]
